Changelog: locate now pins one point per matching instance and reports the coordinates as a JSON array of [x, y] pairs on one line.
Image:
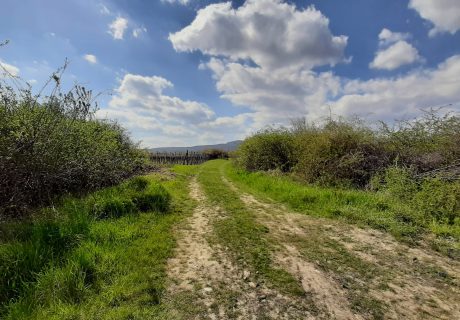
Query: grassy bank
[[378, 210], [100, 257]]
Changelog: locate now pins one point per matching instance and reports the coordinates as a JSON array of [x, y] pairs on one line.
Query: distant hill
[[229, 146]]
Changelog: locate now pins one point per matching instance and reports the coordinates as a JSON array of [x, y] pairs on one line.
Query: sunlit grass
[[79, 263]]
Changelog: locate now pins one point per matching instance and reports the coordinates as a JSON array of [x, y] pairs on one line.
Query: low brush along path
[[242, 257]]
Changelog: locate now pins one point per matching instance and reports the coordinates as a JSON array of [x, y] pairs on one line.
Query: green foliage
[[54, 145], [156, 198], [431, 198], [440, 200], [213, 154], [42, 260], [340, 152], [267, 150]]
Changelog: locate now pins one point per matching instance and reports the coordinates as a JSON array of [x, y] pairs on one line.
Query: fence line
[[187, 158]]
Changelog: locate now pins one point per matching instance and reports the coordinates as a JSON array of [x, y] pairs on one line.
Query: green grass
[[364, 208], [101, 257], [242, 234]]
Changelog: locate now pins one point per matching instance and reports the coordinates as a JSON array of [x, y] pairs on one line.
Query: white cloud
[[387, 37], [141, 104], [402, 96], [277, 97], [270, 33], [444, 14], [91, 58], [117, 28], [274, 97], [8, 70], [138, 31], [398, 54], [280, 86]]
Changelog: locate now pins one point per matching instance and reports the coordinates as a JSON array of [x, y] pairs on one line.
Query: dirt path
[[207, 285], [348, 272], [402, 282]]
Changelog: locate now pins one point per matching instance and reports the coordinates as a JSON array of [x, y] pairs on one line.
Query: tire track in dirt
[[327, 294], [422, 283], [202, 274]]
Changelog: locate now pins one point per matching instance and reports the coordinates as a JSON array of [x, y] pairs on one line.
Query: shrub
[[439, 200], [431, 199], [341, 152], [338, 153], [425, 143], [213, 154], [54, 145], [269, 149]]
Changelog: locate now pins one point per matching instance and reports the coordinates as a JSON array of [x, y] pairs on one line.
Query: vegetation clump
[[54, 145]]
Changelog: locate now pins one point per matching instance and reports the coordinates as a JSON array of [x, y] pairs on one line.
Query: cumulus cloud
[[394, 51], [8, 70], [399, 54], [270, 33], [444, 14], [402, 96], [275, 98], [140, 104], [387, 37], [91, 58], [280, 85], [117, 28]]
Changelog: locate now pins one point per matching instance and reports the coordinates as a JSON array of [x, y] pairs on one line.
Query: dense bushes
[[338, 153], [48, 240], [349, 153], [269, 149], [55, 146]]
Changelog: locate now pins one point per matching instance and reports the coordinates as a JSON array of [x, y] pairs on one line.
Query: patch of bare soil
[[205, 284], [418, 282]]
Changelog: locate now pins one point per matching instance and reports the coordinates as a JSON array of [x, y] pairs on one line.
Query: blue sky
[[193, 72]]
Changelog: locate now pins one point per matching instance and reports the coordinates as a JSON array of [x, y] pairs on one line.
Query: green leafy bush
[[431, 199], [338, 153], [54, 145], [352, 153], [439, 200], [268, 150]]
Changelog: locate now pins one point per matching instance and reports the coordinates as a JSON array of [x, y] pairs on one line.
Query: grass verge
[[101, 257], [364, 208]]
